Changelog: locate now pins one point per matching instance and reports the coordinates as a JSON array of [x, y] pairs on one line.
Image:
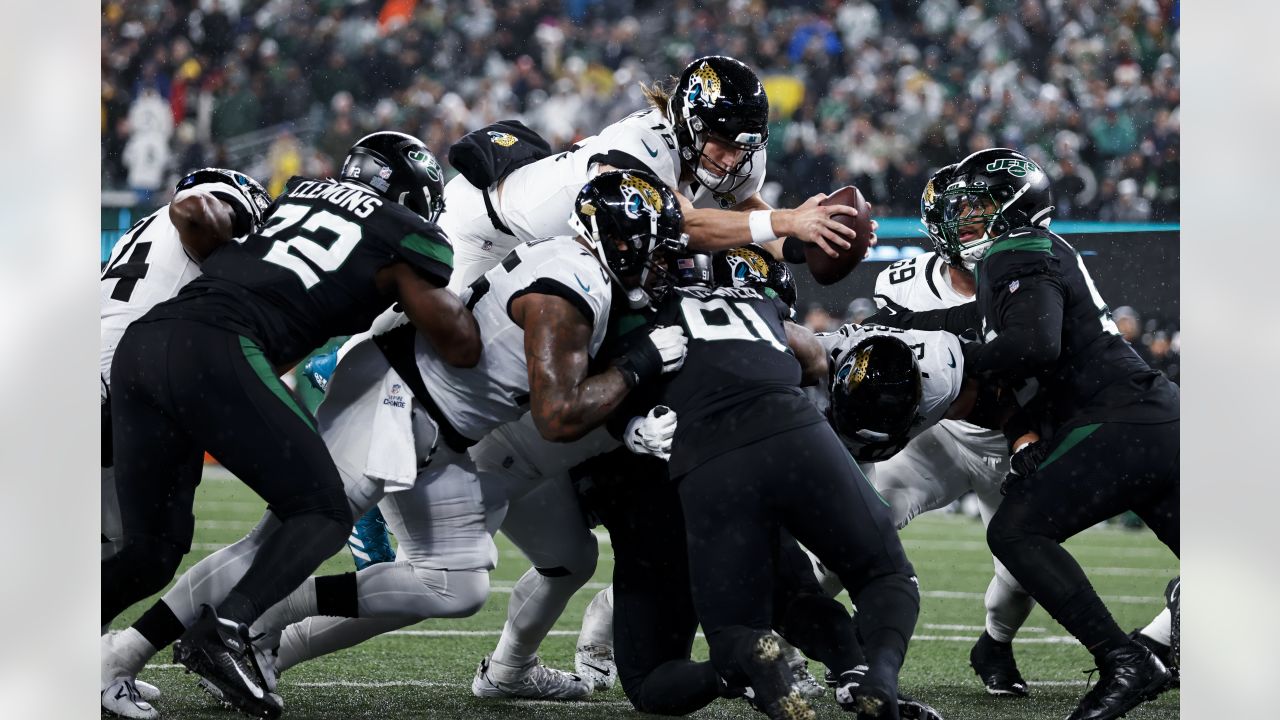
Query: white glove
[[672, 346], [653, 433]]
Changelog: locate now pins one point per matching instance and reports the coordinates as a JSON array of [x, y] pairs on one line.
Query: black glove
[[891, 315], [662, 351], [1023, 464]]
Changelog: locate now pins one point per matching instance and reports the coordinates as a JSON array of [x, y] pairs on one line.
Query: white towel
[[392, 454]]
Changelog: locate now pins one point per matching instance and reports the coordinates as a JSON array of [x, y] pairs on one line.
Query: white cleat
[[805, 682], [120, 697], [147, 691], [536, 682], [595, 664]]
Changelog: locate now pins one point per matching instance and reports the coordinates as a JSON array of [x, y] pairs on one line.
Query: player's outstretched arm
[[813, 358], [438, 314], [204, 222], [710, 229]]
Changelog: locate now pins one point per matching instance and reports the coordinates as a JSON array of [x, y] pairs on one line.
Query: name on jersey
[[361, 203]]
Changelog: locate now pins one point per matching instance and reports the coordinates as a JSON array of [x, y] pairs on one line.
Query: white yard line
[[1122, 599]]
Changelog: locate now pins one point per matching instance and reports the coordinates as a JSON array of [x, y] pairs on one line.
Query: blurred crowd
[[875, 93], [1156, 340]]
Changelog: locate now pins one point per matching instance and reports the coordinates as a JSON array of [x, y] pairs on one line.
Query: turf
[[418, 673]]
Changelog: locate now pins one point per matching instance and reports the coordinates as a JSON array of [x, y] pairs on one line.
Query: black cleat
[[993, 662], [911, 709], [219, 651], [860, 690], [1131, 675], [773, 689], [1173, 601], [1162, 653]]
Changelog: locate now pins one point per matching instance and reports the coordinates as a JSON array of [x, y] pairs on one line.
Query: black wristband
[[793, 250], [640, 363]]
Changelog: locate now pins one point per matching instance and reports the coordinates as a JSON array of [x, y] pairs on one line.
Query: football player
[[200, 373], [704, 137], [956, 455], [1097, 433], [148, 265]]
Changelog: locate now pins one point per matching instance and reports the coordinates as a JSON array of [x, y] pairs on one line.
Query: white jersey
[[941, 368], [476, 400], [148, 265], [535, 201], [924, 283]]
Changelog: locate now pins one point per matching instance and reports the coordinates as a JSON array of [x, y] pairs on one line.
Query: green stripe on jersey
[[428, 248], [1030, 244], [267, 375], [1073, 438]]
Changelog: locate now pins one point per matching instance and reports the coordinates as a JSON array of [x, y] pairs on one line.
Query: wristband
[[761, 224]]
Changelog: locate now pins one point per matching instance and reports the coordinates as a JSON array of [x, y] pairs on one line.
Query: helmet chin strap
[[637, 298]]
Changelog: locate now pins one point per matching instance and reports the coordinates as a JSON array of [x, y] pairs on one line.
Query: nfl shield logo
[[1013, 286]]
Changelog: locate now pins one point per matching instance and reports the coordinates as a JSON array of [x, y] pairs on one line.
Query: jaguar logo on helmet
[[640, 197], [856, 371], [745, 265], [930, 194], [704, 86], [725, 200], [502, 139], [1013, 166]]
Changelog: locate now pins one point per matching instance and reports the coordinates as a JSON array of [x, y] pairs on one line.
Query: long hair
[[659, 92]]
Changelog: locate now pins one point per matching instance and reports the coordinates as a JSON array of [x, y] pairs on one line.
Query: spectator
[[860, 309], [1130, 326], [818, 319]]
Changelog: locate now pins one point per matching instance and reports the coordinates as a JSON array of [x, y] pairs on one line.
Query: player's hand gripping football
[[653, 433], [661, 352], [814, 223]]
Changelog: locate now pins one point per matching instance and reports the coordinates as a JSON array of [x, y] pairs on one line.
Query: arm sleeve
[[956, 320], [425, 247], [1030, 331]]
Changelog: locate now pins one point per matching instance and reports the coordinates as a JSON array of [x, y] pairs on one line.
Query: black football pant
[[180, 388], [804, 481], [653, 614], [1092, 473]]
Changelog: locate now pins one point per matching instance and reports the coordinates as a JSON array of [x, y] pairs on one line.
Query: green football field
[[425, 671]]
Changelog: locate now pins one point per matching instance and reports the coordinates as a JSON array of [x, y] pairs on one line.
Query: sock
[[237, 607], [1161, 628], [124, 654], [597, 621], [287, 557], [1084, 615], [160, 625], [887, 610], [1007, 609], [536, 603], [821, 628]]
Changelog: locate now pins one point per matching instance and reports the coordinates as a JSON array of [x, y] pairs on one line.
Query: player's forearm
[[440, 316], [203, 222], [1030, 337], [568, 415]]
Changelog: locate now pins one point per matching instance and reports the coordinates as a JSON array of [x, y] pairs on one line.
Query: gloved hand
[[320, 368], [1023, 464], [662, 351], [653, 433]]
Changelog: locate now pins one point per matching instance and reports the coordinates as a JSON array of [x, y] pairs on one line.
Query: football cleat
[[912, 709], [536, 682], [773, 690], [121, 697], [264, 657], [859, 690], [1162, 653], [220, 652], [146, 690], [993, 662], [595, 664], [1173, 601], [805, 682], [1130, 676]]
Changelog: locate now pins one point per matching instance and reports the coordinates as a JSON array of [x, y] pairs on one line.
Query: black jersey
[[1080, 366], [740, 381], [308, 274]]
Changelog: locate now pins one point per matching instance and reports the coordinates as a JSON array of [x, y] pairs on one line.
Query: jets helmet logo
[[1014, 166], [501, 138], [704, 86], [746, 267], [639, 197]]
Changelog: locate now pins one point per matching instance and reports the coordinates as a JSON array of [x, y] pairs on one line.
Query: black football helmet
[[749, 266], [931, 212], [998, 187], [692, 270], [236, 188], [876, 391], [717, 96], [633, 223], [400, 168]]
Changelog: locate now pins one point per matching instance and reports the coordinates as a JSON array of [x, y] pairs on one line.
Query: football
[[826, 269]]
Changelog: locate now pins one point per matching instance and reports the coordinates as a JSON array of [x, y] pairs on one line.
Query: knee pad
[[330, 502], [579, 565]]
